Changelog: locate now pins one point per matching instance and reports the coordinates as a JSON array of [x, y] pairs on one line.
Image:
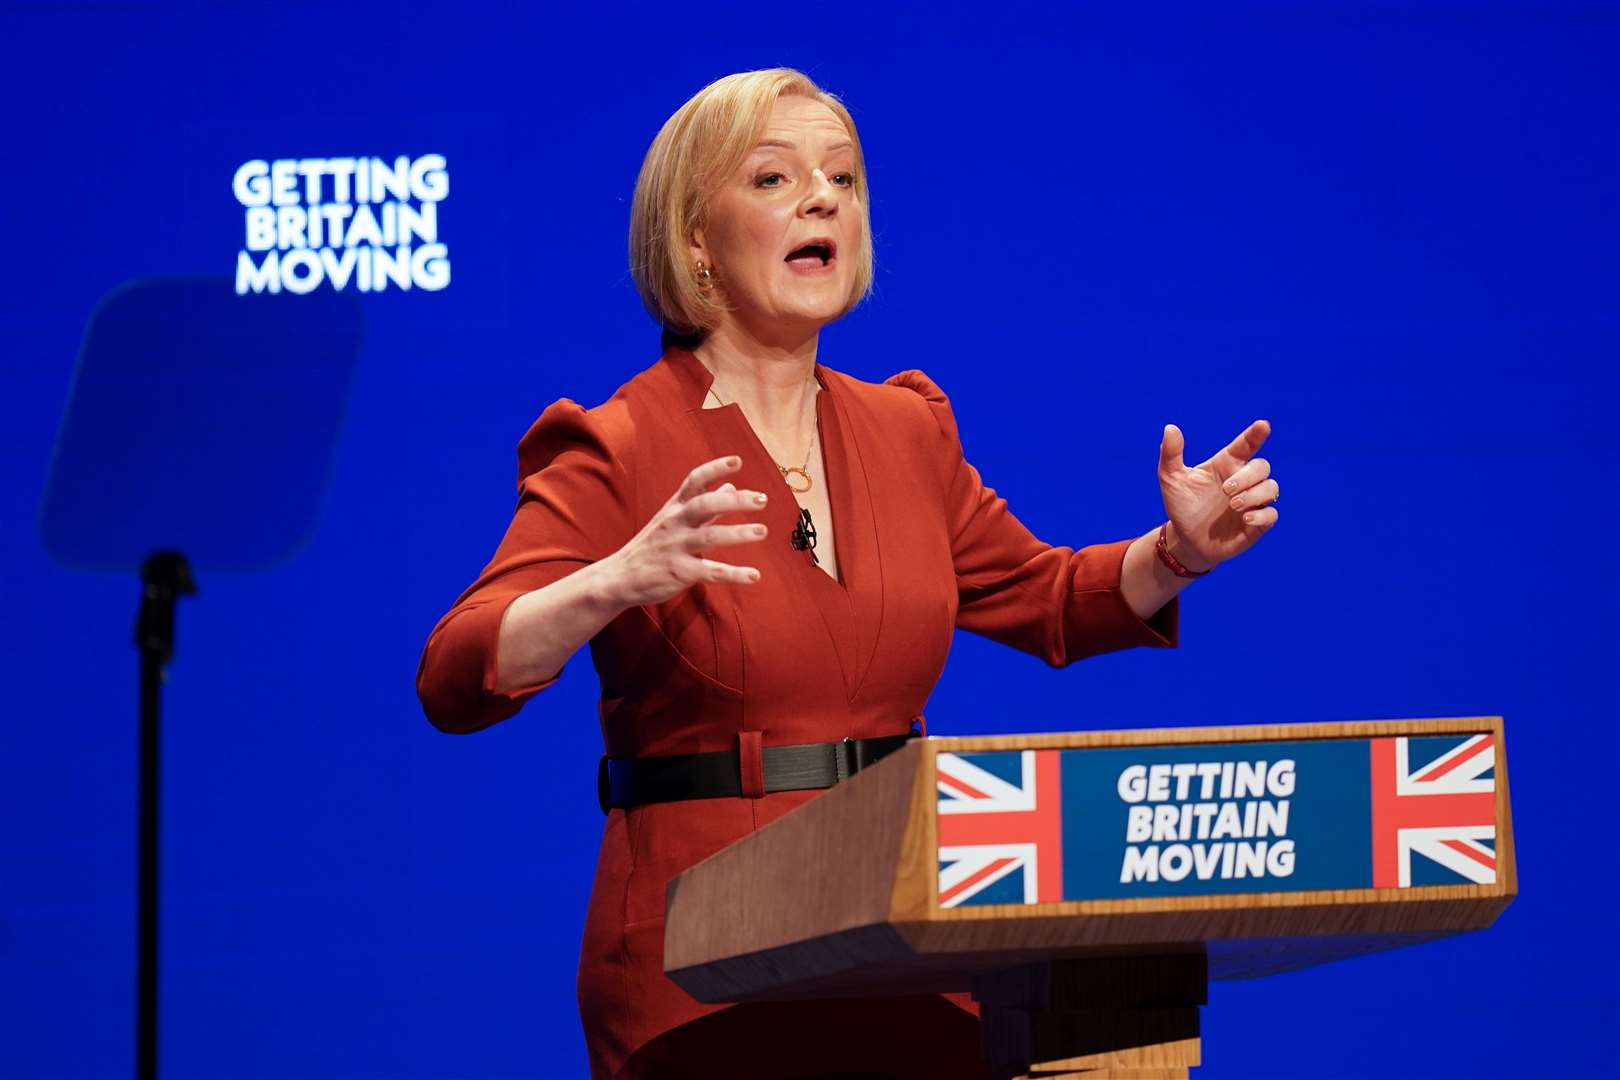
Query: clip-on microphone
[[804, 535]]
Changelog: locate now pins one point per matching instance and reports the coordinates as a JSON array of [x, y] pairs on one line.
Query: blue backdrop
[[1389, 228]]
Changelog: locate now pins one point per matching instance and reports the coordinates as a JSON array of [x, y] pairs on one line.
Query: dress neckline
[[698, 380]]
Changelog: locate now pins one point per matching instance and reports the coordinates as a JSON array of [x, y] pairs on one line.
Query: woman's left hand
[[1219, 508]]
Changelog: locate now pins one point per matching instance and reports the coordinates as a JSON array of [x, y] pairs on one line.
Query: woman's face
[[782, 231]]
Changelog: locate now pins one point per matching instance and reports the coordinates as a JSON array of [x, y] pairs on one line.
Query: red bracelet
[[1171, 561]]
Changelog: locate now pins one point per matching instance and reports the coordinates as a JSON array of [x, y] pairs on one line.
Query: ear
[[698, 248]]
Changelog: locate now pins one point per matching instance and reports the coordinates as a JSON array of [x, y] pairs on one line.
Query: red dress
[[923, 547]]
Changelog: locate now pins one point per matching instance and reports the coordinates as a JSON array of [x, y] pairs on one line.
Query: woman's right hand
[[663, 560]]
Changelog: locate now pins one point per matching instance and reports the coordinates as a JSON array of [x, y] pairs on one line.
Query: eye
[[764, 180], [844, 179]]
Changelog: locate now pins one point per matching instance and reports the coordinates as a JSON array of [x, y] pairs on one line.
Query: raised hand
[[664, 558], [1221, 506]]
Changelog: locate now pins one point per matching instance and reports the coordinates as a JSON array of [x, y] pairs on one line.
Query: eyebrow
[[784, 144]]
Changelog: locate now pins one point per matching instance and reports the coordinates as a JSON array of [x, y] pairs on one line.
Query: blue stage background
[[1389, 228]]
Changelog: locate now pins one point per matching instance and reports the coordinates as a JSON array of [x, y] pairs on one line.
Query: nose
[[820, 195]]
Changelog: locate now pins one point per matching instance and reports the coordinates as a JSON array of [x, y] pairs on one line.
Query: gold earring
[[705, 277]]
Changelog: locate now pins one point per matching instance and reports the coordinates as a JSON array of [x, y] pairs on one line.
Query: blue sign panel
[[1041, 826]]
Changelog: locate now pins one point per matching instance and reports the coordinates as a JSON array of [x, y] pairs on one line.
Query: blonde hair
[[697, 148]]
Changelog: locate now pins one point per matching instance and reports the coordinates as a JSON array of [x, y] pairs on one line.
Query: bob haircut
[[695, 151]]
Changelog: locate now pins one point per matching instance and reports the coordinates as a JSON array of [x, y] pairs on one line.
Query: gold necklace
[[789, 471]]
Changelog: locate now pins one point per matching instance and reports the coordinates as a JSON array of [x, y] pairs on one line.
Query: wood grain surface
[[841, 895]]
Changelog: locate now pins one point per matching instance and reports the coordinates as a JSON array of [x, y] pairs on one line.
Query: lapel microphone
[[804, 535]]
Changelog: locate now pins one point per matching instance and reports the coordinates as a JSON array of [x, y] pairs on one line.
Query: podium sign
[[1036, 826], [1084, 886]]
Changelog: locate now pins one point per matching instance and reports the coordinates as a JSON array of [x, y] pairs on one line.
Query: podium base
[[1102, 1018]]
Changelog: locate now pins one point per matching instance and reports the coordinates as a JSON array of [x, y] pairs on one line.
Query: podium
[[1085, 887]]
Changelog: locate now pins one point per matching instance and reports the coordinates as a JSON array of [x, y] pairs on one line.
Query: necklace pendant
[[790, 472]]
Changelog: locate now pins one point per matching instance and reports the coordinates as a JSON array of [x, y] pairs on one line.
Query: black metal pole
[[165, 577]]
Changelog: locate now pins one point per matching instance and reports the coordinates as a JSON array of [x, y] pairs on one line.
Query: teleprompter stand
[[165, 577]]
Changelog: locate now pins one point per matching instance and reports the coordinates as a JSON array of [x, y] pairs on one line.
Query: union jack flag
[[1000, 822], [1434, 810]]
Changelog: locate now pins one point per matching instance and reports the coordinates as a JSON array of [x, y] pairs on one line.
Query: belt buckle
[[846, 759]]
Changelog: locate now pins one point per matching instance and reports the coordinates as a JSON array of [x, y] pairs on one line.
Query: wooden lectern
[[1086, 886]]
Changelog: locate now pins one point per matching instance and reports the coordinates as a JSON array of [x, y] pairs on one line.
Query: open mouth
[[815, 252]]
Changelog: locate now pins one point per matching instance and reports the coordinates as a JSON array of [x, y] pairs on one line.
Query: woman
[[767, 553]]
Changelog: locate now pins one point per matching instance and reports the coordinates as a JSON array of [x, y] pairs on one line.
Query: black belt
[[625, 782]]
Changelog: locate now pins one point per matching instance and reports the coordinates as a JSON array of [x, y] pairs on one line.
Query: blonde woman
[[768, 557]]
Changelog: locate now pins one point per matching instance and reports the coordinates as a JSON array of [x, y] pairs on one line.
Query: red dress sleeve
[[1057, 603], [573, 508]]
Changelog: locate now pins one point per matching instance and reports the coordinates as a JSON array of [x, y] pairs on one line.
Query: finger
[[1244, 447], [724, 500], [1259, 495], [713, 536], [710, 570], [1260, 520], [690, 511], [1170, 448], [1247, 475], [699, 479]]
